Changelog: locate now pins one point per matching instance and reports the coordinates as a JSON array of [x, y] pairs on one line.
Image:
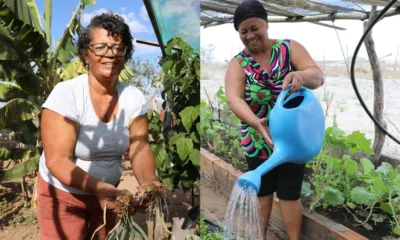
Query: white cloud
[[123, 9], [143, 13], [173, 7], [130, 18], [134, 25], [86, 17]]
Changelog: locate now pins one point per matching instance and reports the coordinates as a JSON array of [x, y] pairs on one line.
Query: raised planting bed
[[223, 176]]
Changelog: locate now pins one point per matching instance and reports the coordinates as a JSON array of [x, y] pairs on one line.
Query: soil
[[19, 223], [340, 215], [214, 204]]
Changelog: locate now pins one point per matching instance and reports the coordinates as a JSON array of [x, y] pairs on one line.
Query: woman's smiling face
[[254, 33], [108, 66]]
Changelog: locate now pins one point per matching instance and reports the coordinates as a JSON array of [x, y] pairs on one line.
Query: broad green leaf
[[48, 10], [378, 217], [360, 195], [189, 115], [20, 170], [5, 154], [195, 157], [17, 110], [8, 49], [25, 11], [160, 156], [14, 154], [384, 168], [386, 207], [306, 189], [198, 127], [184, 147], [35, 16], [350, 165], [63, 51], [89, 3], [334, 164], [16, 18], [21, 73], [368, 226], [210, 132], [76, 68], [10, 91], [236, 143], [396, 230], [351, 205], [171, 44], [67, 53], [333, 196], [167, 66], [368, 166], [175, 138], [194, 137], [361, 141], [126, 74]]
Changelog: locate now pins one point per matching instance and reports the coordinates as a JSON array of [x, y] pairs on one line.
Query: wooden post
[[379, 138], [395, 62]]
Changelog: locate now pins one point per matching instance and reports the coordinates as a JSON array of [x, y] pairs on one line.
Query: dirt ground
[[20, 223]]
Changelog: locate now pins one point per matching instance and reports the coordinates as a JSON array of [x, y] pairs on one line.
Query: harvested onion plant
[[157, 194], [126, 228]]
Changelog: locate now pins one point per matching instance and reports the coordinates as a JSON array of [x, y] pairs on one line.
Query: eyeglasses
[[101, 49]]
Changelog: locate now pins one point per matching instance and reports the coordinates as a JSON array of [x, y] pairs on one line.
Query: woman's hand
[[295, 80], [106, 192], [260, 125]]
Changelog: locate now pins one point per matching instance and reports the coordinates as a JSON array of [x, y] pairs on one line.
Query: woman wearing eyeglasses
[[87, 124]]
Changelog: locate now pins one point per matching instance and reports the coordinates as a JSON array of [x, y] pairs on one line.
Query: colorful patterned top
[[261, 91]]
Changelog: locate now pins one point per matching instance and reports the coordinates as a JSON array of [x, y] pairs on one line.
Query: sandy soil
[[345, 106], [179, 204]]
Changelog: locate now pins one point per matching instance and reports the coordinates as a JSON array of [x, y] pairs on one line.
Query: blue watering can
[[297, 128]]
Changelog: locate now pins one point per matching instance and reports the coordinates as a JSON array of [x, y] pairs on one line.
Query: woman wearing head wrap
[[253, 80]]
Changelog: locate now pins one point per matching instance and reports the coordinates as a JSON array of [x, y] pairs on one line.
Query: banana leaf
[[17, 110], [26, 38], [21, 169]]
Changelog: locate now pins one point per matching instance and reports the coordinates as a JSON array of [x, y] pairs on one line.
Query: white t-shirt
[[99, 147]]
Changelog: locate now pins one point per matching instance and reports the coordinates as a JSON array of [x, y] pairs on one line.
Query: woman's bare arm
[[140, 154], [234, 86], [59, 136], [305, 66]]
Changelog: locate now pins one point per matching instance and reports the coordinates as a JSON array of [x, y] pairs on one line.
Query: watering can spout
[[252, 179]]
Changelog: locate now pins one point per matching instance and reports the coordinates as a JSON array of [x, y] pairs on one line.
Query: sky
[[133, 11], [318, 40]]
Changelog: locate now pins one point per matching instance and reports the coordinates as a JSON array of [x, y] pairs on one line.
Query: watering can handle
[[282, 96]]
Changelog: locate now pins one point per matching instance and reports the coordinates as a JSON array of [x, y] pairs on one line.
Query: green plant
[[205, 234], [219, 135], [367, 193], [177, 150]]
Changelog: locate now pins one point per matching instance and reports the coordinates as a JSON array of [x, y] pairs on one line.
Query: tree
[[379, 138], [145, 76]]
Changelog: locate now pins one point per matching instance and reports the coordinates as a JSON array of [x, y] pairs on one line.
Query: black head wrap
[[249, 9]]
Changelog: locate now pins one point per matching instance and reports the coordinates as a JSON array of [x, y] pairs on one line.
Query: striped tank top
[[261, 91]]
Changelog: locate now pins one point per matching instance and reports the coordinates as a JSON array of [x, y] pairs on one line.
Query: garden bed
[[315, 226]]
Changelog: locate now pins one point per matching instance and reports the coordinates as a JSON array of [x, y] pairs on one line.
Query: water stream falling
[[242, 218]]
